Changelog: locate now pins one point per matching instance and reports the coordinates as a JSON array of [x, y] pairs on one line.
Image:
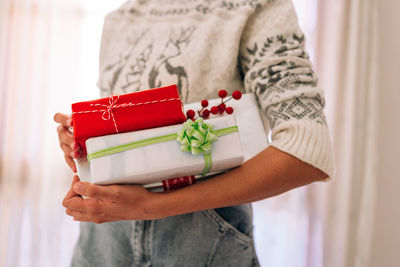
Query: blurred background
[[49, 59]]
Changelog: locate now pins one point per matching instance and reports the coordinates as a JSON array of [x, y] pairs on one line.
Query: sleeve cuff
[[308, 141]]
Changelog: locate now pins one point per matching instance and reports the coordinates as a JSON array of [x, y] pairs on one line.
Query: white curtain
[[347, 66], [48, 54], [331, 224], [48, 59]]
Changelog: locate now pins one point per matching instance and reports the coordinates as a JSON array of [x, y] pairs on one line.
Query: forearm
[[270, 173]]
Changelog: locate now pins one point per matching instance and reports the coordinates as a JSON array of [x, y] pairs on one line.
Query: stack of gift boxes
[[145, 138]]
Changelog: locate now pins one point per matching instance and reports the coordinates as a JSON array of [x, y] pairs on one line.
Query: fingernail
[[69, 121], [73, 145], [78, 188]]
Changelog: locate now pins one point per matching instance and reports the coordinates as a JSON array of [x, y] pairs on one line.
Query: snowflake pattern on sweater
[[287, 73]]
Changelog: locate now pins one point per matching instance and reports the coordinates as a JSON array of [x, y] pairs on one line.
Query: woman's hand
[[67, 143], [107, 203]]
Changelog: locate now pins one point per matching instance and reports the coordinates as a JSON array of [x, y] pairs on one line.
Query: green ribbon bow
[[197, 137]]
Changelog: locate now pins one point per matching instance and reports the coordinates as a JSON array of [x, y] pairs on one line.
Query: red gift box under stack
[[124, 113]]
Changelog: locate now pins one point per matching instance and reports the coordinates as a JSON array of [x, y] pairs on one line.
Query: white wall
[[385, 250]]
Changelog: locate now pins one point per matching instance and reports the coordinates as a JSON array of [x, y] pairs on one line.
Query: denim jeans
[[219, 237]]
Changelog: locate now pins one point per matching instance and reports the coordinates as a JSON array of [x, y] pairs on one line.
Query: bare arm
[[270, 173]]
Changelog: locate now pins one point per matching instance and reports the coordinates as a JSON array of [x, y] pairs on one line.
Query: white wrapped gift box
[[118, 159], [252, 135]]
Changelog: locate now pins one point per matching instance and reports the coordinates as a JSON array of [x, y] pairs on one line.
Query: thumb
[[71, 193], [63, 119]]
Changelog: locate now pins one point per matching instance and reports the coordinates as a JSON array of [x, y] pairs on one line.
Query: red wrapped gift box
[[124, 113]]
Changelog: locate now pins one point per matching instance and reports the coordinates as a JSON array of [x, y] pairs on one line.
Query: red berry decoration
[[214, 110], [190, 114], [206, 113], [229, 110], [204, 103], [237, 95], [222, 93], [221, 107]]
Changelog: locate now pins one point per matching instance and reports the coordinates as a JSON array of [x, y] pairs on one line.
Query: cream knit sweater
[[207, 45]]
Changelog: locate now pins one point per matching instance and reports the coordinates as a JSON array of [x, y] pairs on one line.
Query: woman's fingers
[[63, 119], [67, 143], [94, 217], [69, 146], [64, 135], [112, 193], [67, 149], [70, 162], [69, 152]]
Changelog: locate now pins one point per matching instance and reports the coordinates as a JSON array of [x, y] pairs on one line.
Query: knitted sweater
[[206, 45]]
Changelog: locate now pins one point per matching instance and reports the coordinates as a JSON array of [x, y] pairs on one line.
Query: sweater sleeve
[[278, 70]]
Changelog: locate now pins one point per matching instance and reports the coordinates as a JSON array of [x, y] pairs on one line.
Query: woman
[[202, 46]]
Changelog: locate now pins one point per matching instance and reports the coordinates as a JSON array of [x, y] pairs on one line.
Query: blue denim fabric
[[220, 237]]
